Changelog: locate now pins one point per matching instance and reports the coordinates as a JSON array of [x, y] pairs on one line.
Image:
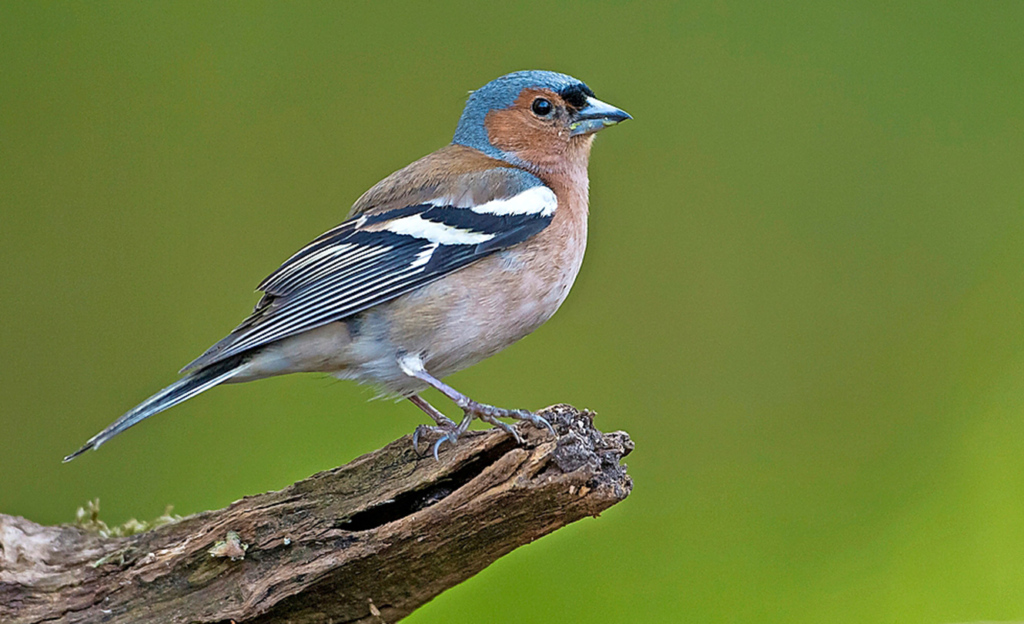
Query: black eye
[[542, 107]]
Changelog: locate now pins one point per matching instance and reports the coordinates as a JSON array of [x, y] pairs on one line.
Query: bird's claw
[[448, 431], [450, 436], [536, 420], [437, 445], [445, 433], [504, 426]]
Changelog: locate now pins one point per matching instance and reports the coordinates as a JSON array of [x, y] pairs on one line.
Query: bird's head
[[538, 119]]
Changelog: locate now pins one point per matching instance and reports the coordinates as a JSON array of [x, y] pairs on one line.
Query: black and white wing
[[374, 258]]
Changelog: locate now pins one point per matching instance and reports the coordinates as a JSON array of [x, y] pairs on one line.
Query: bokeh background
[[803, 295]]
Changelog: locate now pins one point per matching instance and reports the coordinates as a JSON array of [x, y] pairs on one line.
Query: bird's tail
[[181, 390]]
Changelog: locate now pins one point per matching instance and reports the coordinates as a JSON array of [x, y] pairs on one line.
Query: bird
[[440, 265]]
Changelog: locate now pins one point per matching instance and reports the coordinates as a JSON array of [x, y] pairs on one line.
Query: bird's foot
[[446, 430], [491, 414]]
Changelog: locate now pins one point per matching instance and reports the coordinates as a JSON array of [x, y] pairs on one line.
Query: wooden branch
[[367, 542]]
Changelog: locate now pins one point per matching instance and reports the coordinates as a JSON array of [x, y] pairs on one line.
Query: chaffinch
[[438, 266]]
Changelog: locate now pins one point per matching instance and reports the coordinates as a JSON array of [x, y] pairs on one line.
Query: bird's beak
[[595, 116]]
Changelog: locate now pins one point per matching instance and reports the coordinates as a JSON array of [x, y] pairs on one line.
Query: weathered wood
[[367, 542]]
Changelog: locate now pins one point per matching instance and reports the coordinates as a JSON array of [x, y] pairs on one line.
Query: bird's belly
[[455, 323]]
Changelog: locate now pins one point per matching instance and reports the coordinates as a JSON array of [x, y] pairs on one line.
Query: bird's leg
[[443, 422], [445, 428], [487, 413]]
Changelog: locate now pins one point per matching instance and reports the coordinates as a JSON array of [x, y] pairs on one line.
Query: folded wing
[[374, 258]]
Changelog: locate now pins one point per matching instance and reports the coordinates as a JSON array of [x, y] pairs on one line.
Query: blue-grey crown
[[501, 93]]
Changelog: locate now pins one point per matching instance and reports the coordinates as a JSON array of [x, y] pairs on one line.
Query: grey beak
[[596, 115]]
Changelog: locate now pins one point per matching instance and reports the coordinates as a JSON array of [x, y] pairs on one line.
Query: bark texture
[[367, 542]]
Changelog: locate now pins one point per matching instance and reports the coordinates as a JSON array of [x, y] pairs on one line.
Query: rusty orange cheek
[[518, 131]]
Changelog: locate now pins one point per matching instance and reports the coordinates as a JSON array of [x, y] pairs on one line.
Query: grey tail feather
[[179, 391]]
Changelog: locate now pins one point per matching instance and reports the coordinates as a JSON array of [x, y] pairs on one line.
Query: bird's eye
[[542, 107]]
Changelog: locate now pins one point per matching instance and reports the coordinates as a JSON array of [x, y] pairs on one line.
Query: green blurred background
[[803, 296]]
